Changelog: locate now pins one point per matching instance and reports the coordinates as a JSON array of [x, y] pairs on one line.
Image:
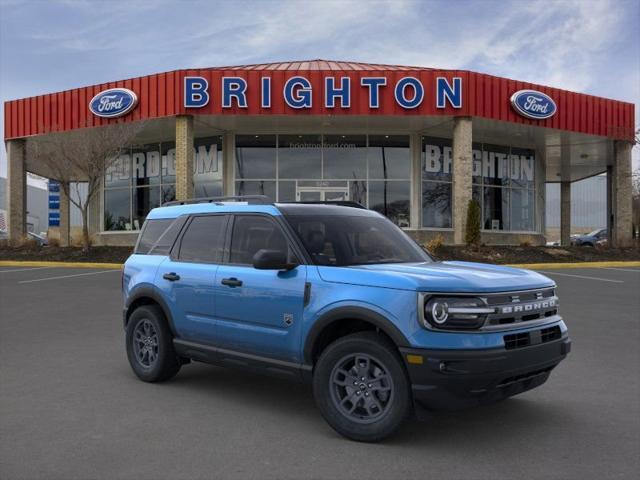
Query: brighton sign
[[113, 103], [408, 92], [533, 104]]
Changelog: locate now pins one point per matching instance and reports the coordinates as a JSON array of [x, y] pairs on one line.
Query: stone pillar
[[184, 157], [610, 203], [416, 180], [228, 163], [462, 175], [565, 213], [16, 191], [65, 217], [621, 184]]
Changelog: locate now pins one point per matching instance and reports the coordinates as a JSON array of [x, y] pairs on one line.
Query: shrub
[[472, 233], [54, 242], [525, 243], [435, 243]]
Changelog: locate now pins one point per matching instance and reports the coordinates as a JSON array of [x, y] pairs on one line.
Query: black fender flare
[[151, 293], [351, 313]]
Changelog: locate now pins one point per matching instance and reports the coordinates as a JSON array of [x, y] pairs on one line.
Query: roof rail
[[250, 199], [341, 203]]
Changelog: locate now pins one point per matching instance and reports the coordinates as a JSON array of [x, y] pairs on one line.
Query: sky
[[589, 46]]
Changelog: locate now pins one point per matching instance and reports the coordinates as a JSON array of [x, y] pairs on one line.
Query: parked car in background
[[40, 239], [590, 239]]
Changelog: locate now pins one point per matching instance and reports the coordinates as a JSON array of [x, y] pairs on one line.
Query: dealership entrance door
[[322, 191]]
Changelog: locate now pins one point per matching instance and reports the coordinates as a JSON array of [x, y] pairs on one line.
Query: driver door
[[258, 311]]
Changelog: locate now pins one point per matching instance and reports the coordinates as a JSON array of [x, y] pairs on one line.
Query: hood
[[438, 277]]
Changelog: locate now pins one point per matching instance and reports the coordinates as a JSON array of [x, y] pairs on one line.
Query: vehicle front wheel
[[361, 387], [150, 345]]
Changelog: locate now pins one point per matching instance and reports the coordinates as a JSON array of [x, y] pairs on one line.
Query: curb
[[28, 263]]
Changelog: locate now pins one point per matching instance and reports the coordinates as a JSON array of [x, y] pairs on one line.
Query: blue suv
[[340, 297]]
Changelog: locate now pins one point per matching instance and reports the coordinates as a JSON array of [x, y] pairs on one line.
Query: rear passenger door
[[259, 311], [187, 278]]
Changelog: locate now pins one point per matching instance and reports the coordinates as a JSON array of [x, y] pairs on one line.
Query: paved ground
[[71, 408]]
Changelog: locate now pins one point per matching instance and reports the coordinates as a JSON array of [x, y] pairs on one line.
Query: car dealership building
[[416, 144]]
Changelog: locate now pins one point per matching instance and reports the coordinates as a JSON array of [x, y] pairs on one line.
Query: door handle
[[231, 282], [172, 277]]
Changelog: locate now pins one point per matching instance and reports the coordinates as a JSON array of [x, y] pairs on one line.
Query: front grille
[[520, 340], [513, 308]]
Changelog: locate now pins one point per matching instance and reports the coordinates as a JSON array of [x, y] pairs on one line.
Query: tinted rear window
[[168, 238], [151, 232]]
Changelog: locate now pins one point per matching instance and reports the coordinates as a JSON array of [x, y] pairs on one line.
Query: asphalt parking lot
[[70, 407]]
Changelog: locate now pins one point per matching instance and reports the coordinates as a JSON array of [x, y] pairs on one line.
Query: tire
[[384, 398], [150, 345]]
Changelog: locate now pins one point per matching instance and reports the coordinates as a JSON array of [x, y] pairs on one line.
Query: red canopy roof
[[161, 95]]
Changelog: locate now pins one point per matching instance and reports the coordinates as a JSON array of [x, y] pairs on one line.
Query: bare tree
[[82, 156]]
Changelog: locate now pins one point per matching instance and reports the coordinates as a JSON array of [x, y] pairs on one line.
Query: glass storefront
[[373, 170], [144, 177], [503, 185]]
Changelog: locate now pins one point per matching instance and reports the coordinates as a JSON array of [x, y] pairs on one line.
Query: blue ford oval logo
[[114, 102], [533, 104]]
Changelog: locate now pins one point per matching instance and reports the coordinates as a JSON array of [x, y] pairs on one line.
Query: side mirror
[[272, 260]]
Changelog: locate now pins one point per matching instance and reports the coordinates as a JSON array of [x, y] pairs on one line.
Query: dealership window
[[503, 185], [505, 176], [143, 177], [437, 177], [373, 170]]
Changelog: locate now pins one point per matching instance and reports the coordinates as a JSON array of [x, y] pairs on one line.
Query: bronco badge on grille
[[528, 307]]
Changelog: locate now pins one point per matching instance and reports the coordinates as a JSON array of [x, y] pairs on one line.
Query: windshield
[[594, 233], [355, 240]]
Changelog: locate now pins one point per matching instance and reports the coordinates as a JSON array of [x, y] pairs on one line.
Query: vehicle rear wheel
[[361, 387], [150, 345]]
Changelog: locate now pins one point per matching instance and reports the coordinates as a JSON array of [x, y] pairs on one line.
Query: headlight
[[455, 312]]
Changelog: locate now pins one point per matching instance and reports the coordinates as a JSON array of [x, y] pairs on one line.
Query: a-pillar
[[184, 157], [16, 191], [462, 175], [565, 213]]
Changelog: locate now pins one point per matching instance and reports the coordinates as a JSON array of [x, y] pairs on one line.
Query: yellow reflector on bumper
[[415, 359]]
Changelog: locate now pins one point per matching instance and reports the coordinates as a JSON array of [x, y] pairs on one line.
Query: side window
[[165, 242], [151, 231], [252, 233], [203, 240]]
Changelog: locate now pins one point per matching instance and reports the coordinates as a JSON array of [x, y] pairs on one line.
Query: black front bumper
[[453, 379]]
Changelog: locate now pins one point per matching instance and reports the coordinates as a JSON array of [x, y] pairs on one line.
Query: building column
[[622, 191], [415, 147], [565, 213], [16, 191], [462, 175], [228, 163], [65, 216], [184, 157]]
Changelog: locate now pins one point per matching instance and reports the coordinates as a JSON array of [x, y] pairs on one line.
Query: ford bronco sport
[[338, 296]]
